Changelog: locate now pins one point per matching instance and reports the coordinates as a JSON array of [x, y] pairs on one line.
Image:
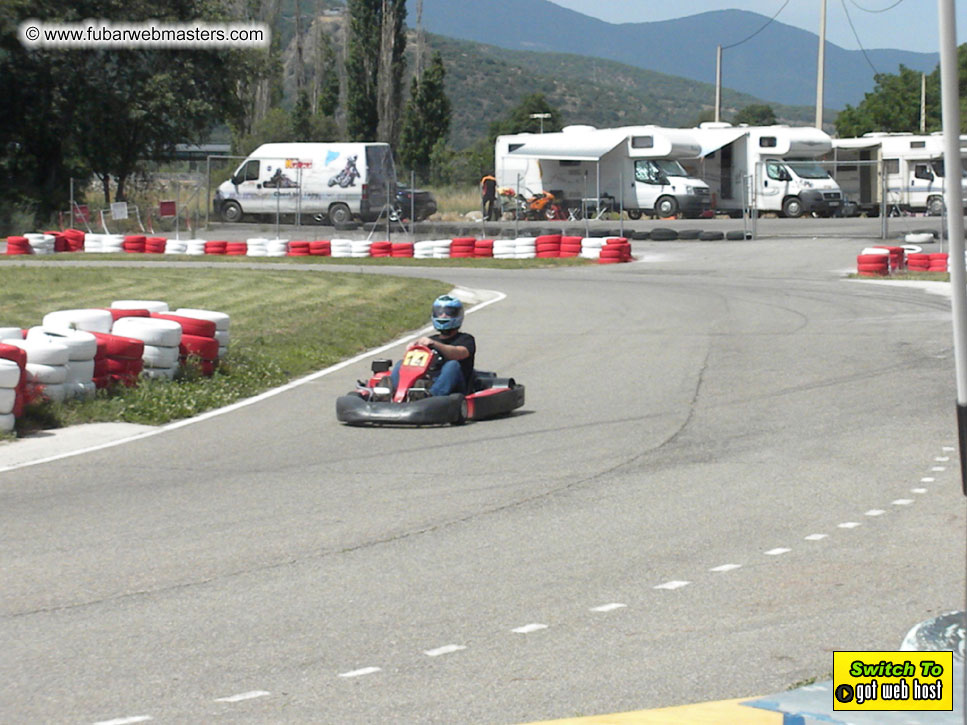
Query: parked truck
[[766, 168], [634, 168], [330, 181], [903, 170]]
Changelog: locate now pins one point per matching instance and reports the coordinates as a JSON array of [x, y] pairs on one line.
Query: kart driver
[[456, 348]]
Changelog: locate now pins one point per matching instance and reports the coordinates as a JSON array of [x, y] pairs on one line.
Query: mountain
[[778, 64]]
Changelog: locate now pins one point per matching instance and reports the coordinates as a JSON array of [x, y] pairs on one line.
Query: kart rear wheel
[[462, 414]]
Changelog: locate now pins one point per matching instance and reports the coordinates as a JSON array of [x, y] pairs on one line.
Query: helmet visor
[[443, 310]]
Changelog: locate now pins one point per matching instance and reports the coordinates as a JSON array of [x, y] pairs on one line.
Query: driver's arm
[[449, 352]]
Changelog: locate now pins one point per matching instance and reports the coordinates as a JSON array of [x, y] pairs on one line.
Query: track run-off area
[[732, 461]]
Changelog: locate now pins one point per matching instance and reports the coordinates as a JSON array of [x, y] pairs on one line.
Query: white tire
[[46, 374], [150, 330], [42, 352], [9, 374], [875, 250], [90, 320], [149, 305], [80, 371], [82, 390], [912, 248], [11, 333], [220, 319], [80, 345], [8, 398], [55, 391], [223, 337], [918, 238], [160, 373], [156, 356], [7, 422]]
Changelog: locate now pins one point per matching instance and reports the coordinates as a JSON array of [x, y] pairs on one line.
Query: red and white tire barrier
[[89, 320], [548, 246], [220, 319], [46, 368], [13, 380], [149, 305], [873, 263], [81, 348], [161, 340]]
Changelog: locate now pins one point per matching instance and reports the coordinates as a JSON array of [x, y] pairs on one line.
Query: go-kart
[[376, 402]]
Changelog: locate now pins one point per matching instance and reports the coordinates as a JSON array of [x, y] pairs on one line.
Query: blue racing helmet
[[447, 313]]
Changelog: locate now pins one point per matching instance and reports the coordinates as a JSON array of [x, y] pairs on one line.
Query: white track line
[[673, 584], [875, 512], [726, 567], [254, 399], [779, 551], [528, 628], [125, 720], [849, 524], [608, 607], [251, 695], [360, 672], [816, 537], [444, 650]]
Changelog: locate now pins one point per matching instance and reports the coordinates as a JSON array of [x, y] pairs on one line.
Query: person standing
[[488, 197]]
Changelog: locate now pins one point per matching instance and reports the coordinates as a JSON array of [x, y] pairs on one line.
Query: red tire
[[189, 325], [205, 348], [121, 347]]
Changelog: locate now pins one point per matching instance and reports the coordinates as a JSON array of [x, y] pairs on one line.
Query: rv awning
[[570, 146], [856, 143], [713, 142]]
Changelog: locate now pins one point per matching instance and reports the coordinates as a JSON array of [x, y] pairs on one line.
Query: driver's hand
[[425, 341]]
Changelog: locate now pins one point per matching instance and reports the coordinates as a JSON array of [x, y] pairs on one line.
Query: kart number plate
[[416, 358]]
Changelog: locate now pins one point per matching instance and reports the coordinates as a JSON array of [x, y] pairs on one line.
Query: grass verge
[[284, 324]]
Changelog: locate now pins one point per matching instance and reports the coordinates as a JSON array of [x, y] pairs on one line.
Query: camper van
[[767, 168], [634, 168], [334, 181], [910, 167]]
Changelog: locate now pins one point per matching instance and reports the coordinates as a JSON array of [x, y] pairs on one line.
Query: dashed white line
[[948, 449], [918, 490], [528, 628], [360, 672], [726, 567], [849, 524], [816, 537], [927, 479], [125, 720], [243, 696], [777, 551], [942, 459], [608, 607], [444, 650], [673, 584], [875, 512], [903, 502], [938, 469]]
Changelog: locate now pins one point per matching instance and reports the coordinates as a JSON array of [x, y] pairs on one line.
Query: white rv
[[767, 168], [337, 181], [910, 167], [635, 168]]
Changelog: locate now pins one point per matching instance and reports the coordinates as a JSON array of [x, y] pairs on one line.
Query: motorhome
[[331, 181], [904, 171], [633, 168], [766, 168]]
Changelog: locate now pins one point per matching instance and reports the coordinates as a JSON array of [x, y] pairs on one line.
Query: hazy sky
[[910, 25]]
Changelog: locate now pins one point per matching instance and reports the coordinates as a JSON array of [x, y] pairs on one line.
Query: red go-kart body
[[376, 402]]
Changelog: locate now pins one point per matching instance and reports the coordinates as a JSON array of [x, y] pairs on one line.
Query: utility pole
[[923, 103], [718, 84], [821, 68]]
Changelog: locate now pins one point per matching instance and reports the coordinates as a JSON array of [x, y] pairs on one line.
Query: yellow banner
[[893, 680]]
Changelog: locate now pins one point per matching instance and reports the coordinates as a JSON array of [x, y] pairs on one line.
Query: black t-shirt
[[489, 188], [461, 339]]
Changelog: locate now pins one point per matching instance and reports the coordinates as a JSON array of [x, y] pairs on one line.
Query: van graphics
[[280, 181], [347, 177]]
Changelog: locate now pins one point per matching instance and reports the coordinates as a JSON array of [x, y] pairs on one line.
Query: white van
[[912, 171], [634, 168], [770, 168], [334, 181]]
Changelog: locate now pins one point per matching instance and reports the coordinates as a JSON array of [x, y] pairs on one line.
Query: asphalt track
[[730, 464]]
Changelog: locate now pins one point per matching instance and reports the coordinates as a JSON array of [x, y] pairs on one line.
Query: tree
[[756, 114], [520, 120], [426, 120], [894, 104], [374, 68]]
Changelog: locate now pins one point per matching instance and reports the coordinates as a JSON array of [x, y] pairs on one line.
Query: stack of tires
[[298, 248], [41, 243], [119, 360], [81, 351], [320, 248], [483, 248], [463, 247], [897, 255], [939, 262], [155, 245], [197, 340], [421, 250], [381, 249], [134, 244], [918, 262], [441, 248], [402, 250], [161, 339], [570, 246], [341, 247], [505, 249], [277, 248], [548, 246], [360, 249], [218, 247], [220, 320], [236, 249], [46, 368], [525, 248], [75, 240], [615, 251], [257, 247], [591, 248], [873, 262], [13, 381], [19, 245], [195, 247]]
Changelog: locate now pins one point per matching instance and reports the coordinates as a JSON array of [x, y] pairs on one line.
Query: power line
[[768, 23], [868, 10], [856, 35]]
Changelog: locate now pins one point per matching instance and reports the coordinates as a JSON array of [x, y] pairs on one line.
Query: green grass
[[284, 324], [910, 276]]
